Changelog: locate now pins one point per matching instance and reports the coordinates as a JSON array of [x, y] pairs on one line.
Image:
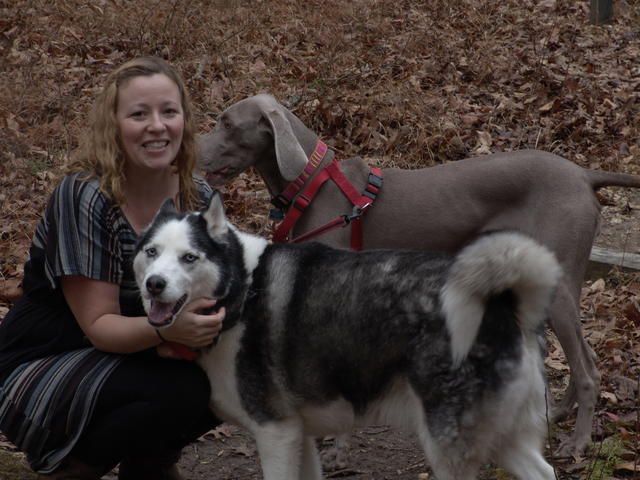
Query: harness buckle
[[276, 214], [356, 212]]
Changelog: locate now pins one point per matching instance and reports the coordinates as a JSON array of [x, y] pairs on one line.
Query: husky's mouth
[[161, 314]]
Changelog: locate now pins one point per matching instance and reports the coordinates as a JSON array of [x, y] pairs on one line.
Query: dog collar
[[282, 200]]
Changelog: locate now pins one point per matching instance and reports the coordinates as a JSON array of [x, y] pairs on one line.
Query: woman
[[82, 387]]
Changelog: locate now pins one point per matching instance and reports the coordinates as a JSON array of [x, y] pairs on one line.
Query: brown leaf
[[10, 289], [628, 466]]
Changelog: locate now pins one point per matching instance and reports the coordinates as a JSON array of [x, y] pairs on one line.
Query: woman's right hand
[[195, 329]]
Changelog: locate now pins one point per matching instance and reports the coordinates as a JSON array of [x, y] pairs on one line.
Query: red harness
[[360, 201]]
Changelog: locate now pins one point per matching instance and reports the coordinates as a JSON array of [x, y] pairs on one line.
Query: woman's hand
[[95, 305], [195, 329]]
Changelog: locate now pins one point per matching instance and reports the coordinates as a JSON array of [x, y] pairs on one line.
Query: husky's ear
[[168, 207], [214, 216]]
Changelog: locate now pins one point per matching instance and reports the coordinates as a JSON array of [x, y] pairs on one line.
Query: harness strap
[[361, 202], [341, 221], [281, 233], [345, 185], [284, 199]]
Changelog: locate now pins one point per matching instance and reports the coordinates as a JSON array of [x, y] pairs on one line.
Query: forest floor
[[406, 83]]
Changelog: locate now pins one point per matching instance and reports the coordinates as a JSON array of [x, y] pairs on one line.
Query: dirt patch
[[375, 452]]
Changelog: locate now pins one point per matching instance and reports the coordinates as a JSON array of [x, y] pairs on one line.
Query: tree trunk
[[601, 11]]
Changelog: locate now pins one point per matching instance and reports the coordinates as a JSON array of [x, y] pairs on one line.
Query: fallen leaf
[[245, 450], [610, 397], [628, 466]]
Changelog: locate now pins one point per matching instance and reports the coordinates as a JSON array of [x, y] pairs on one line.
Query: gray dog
[[440, 208]]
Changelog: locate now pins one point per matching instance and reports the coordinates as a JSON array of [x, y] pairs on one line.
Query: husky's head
[[181, 257]]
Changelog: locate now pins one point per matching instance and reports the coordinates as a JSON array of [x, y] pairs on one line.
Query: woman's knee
[[175, 383]]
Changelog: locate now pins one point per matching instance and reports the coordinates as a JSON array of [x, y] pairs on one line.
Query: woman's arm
[[95, 305]]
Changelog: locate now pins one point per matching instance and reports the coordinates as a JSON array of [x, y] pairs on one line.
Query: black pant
[[148, 406]]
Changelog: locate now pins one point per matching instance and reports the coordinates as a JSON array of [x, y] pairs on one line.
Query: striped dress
[[50, 375]]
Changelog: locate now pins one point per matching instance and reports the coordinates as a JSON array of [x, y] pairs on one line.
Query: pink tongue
[[160, 313]]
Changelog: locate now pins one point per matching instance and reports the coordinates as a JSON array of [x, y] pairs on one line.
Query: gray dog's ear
[[289, 153], [214, 216]]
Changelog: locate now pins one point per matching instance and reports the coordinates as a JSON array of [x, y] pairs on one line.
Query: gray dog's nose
[[155, 284]]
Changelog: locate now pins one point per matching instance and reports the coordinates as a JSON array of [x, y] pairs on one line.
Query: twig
[[347, 472]]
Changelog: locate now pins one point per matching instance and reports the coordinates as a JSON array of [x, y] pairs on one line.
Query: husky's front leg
[[280, 446]]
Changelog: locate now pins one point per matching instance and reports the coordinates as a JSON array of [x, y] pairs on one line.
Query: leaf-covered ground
[[407, 83]]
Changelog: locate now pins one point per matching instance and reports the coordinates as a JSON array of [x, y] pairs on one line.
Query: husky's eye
[[151, 252], [189, 257]]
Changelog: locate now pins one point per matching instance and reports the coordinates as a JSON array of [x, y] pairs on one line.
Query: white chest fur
[[220, 365]]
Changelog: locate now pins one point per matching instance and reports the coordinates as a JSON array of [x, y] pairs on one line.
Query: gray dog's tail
[[491, 265]]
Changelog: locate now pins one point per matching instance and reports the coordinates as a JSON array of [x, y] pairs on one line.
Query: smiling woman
[[82, 387]]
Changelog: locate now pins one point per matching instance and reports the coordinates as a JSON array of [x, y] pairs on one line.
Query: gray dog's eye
[[190, 257], [151, 252]]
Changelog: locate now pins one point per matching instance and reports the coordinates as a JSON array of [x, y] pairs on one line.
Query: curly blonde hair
[[100, 154]]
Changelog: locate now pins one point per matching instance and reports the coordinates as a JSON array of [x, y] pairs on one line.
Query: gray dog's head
[[250, 132]]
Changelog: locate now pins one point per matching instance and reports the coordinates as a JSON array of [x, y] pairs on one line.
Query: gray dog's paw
[[336, 457]]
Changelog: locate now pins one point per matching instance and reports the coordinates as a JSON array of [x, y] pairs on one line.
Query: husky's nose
[[155, 284]]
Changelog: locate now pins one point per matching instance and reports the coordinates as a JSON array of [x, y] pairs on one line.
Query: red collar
[[283, 199]]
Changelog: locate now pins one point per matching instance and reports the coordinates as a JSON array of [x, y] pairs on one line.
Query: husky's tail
[[493, 264]]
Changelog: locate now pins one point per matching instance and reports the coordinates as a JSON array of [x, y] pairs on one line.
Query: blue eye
[[189, 258], [150, 252]]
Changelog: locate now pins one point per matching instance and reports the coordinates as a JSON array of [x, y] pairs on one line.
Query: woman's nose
[[155, 122]]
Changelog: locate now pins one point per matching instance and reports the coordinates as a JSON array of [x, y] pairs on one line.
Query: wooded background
[[403, 83]]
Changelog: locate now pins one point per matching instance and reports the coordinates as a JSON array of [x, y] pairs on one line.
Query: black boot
[[157, 467], [73, 469]]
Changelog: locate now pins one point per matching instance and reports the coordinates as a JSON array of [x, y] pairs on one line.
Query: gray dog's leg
[[584, 382], [336, 457]]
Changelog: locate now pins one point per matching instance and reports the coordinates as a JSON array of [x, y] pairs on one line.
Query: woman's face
[[150, 121]]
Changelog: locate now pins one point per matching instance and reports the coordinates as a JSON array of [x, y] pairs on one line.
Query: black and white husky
[[317, 340]]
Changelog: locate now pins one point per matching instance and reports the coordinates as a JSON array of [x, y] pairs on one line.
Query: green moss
[[14, 467], [607, 454]]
